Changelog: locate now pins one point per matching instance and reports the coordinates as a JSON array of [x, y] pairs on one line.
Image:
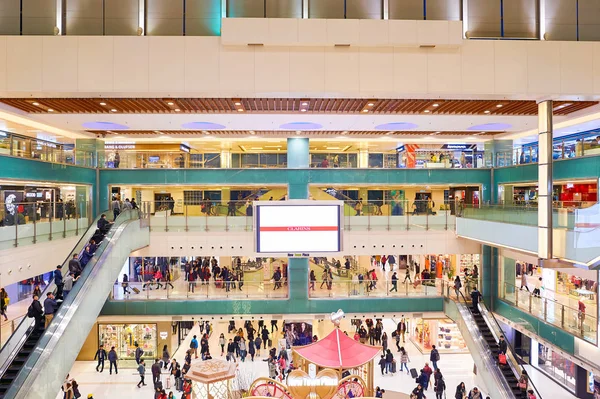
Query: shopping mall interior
[[297, 199]]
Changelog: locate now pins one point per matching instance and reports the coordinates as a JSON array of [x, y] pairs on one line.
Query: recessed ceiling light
[[108, 131], [365, 110], [305, 103], [113, 110], [499, 105], [240, 110], [370, 104], [50, 110], [36, 104], [238, 103], [345, 132], [205, 132], [298, 132], [160, 133], [177, 110], [426, 111], [170, 103], [303, 110], [436, 105], [486, 111], [482, 133], [252, 132], [102, 103], [388, 133]]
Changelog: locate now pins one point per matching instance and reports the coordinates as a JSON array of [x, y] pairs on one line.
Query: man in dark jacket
[[103, 224], [101, 356], [75, 266], [58, 280], [155, 372], [139, 352], [502, 345], [112, 358], [434, 357], [37, 312]]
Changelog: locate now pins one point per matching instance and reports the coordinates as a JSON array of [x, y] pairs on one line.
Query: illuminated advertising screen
[[298, 227]]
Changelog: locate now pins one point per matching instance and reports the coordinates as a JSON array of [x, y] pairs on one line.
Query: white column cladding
[[545, 179], [59, 18]]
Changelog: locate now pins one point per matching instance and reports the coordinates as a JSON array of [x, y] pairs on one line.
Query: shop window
[[202, 17], [192, 197], [375, 160], [124, 337], [444, 334], [556, 366], [212, 160]]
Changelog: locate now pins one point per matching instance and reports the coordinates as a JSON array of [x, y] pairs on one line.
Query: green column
[[298, 283], [489, 270]]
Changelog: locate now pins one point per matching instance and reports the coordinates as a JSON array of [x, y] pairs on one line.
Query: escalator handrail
[[14, 343], [518, 368], [53, 328]]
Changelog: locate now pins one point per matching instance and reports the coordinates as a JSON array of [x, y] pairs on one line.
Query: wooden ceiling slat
[[279, 105]]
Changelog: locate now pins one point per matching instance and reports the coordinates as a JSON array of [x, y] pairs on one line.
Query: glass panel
[[121, 17], [84, 17], [164, 18], [284, 8], [561, 19], [484, 18], [203, 17], [521, 18], [364, 9], [10, 17], [245, 9], [39, 17], [406, 9], [443, 10], [332, 9]]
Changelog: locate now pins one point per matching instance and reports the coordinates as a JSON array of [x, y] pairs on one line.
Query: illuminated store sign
[[119, 145]]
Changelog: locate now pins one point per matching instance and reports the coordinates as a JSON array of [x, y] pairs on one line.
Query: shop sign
[[457, 146], [184, 148], [401, 148], [45, 144], [164, 335], [119, 145]]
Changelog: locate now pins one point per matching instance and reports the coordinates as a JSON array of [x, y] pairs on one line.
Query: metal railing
[[368, 288], [24, 223], [579, 323]]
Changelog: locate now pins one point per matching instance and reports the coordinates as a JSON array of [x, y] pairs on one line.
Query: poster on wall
[[12, 206], [298, 333]]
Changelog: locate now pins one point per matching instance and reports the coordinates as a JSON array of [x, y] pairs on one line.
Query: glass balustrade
[[548, 307], [25, 223]]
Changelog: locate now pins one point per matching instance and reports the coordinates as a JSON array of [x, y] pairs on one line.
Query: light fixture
[[177, 110], [303, 110], [370, 104], [160, 133], [240, 109], [436, 105], [388, 133], [238, 103], [113, 110], [427, 111], [345, 132], [305, 103], [252, 132], [102, 103], [365, 110], [205, 132], [170, 103], [298, 132], [499, 105], [486, 111], [50, 110], [36, 104]]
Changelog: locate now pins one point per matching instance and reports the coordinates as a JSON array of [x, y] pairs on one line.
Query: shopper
[[222, 343], [35, 311], [402, 328], [230, 351], [139, 352], [428, 372], [155, 372], [68, 283], [125, 285], [404, 359], [502, 345], [475, 298], [434, 357], [112, 359], [524, 282], [394, 283], [382, 365], [251, 348], [101, 356], [461, 391], [440, 386], [523, 384], [389, 359], [58, 281], [50, 308], [194, 346], [475, 394], [75, 266], [457, 287], [142, 371], [418, 393], [257, 344], [538, 287], [165, 356]]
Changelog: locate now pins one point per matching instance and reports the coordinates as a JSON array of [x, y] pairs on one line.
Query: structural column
[[298, 158], [545, 179]]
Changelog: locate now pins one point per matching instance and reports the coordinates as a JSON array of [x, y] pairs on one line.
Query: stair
[[11, 372], [487, 335]]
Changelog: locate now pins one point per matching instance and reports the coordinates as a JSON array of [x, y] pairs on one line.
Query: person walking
[[389, 358], [139, 352], [4, 300], [125, 285], [58, 281], [194, 346], [475, 394], [165, 356], [440, 387], [112, 360], [257, 344], [142, 371], [457, 287], [382, 365], [222, 343], [404, 359], [475, 298], [394, 283], [434, 357], [155, 372], [402, 327], [101, 356], [524, 282], [407, 275], [251, 348], [312, 279], [50, 308], [384, 341]]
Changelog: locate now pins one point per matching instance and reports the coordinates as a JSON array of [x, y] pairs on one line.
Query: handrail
[[518, 367], [12, 347]]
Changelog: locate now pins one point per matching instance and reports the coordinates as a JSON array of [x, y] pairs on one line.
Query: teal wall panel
[[548, 332], [576, 168], [30, 169], [183, 308]]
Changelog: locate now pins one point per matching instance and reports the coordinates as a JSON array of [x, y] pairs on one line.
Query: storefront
[[445, 265], [566, 194], [124, 337], [442, 333], [553, 364]]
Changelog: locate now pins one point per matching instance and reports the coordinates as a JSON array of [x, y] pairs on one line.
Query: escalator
[[34, 362], [481, 333]]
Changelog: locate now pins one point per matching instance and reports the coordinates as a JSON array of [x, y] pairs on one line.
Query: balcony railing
[[582, 324], [24, 223], [217, 215]]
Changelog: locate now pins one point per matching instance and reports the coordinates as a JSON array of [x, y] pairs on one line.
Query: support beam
[[545, 179]]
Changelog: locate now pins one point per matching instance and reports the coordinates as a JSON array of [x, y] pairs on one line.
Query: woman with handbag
[[461, 391], [523, 383]]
